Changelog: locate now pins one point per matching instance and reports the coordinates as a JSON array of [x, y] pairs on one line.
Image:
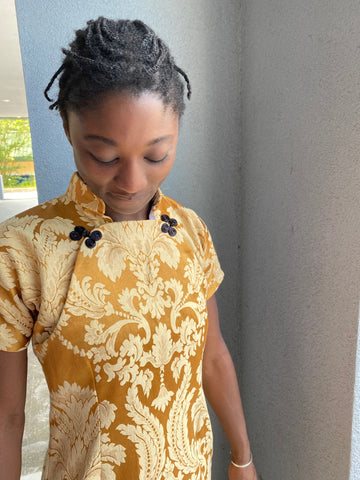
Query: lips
[[122, 196]]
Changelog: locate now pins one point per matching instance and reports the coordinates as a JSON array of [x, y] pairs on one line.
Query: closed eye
[[103, 162], [153, 160]]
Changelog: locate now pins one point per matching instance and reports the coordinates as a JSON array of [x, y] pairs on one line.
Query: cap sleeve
[[17, 264], [213, 274], [16, 321]]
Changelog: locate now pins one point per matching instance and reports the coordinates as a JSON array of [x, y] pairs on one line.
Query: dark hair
[[120, 55]]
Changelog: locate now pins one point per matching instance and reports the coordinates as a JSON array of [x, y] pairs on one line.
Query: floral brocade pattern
[[119, 329]]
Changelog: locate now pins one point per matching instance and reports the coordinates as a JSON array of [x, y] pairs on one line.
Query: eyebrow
[[108, 141]]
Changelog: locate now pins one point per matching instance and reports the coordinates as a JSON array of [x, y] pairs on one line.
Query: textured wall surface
[[300, 244], [203, 36], [355, 447]]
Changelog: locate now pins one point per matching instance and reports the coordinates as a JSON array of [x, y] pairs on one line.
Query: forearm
[[222, 391], [13, 369], [11, 433]]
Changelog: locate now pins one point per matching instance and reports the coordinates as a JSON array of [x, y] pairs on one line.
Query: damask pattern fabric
[[119, 330]]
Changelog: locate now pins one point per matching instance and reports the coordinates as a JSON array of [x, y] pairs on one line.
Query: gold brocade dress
[[118, 321]]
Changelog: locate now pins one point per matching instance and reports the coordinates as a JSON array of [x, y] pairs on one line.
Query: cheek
[[170, 166], [163, 172], [94, 177], [80, 161], [87, 166]]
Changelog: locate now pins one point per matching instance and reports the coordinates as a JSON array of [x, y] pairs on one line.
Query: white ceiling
[[12, 88]]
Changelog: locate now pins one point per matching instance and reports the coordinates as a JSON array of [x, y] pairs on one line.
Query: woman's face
[[124, 148]]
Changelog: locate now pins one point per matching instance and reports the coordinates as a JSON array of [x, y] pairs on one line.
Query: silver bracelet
[[246, 464]]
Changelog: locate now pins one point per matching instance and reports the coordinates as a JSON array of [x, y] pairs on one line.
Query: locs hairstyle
[[113, 56]]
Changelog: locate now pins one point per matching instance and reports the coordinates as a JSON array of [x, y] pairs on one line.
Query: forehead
[[122, 111]]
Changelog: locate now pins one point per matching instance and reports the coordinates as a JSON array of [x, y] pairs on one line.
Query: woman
[[114, 283]]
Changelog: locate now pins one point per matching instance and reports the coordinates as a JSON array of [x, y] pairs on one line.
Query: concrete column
[[355, 447], [1, 188], [300, 249]]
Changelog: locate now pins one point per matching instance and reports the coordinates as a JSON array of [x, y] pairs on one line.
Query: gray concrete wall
[[355, 447], [300, 249], [204, 37]]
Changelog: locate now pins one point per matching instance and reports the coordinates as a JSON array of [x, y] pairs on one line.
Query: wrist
[[241, 453], [243, 465]]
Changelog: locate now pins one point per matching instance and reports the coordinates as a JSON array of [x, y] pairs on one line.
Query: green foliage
[[15, 141], [19, 181]]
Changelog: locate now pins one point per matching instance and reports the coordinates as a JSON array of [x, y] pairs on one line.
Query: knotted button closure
[[169, 225], [81, 232]]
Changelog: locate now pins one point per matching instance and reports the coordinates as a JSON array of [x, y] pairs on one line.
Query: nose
[[131, 176]]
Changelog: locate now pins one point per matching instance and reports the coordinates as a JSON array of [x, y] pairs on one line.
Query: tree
[[15, 141]]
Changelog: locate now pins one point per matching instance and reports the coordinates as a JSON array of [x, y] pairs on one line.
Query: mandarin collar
[[79, 193]]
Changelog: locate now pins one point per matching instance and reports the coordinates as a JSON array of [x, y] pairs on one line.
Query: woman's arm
[[13, 372], [222, 391]]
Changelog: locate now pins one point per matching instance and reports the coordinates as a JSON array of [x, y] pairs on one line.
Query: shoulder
[[183, 215], [194, 232], [191, 225], [29, 221]]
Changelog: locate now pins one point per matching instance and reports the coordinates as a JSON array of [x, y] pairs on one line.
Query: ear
[[66, 127]]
